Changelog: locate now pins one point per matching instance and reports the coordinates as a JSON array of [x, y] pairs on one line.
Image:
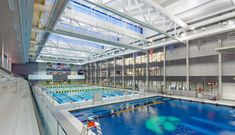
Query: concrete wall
[[205, 69], [176, 70], [228, 91], [175, 51], [203, 47], [5, 58], [26, 69]]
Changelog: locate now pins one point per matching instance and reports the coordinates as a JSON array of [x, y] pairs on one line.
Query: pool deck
[[17, 115], [202, 100]]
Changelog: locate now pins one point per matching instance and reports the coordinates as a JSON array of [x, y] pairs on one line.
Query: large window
[[129, 72], [129, 61], [141, 59], [154, 71], [140, 72], [119, 62], [156, 57]]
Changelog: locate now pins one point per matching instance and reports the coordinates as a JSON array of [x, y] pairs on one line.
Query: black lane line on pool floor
[[137, 106]]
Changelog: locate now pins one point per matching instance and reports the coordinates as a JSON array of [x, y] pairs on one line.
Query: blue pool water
[[67, 97], [170, 117]]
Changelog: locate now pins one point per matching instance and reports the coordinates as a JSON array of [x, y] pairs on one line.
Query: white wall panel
[[228, 91], [205, 69]]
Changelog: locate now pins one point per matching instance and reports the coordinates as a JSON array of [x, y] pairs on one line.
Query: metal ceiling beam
[[65, 61], [82, 36], [214, 20], [102, 6], [233, 2], [198, 35], [72, 49], [61, 56], [57, 9], [169, 15]]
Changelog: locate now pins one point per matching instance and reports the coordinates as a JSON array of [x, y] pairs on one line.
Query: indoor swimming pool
[[162, 116], [68, 97]]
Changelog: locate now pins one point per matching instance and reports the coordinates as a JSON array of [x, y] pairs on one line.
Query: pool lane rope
[[135, 108], [81, 90]]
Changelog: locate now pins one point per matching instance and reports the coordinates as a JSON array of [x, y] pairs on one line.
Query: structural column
[[1, 56], [107, 74], [147, 71], [88, 74], [220, 71], [123, 72], [95, 73], [134, 58], [187, 65], [114, 72], [2, 52], [91, 73], [101, 73], [164, 69]]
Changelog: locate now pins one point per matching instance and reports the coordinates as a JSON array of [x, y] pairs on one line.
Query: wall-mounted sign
[[58, 69]]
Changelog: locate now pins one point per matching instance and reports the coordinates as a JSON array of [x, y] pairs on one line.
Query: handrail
[[36, 110]]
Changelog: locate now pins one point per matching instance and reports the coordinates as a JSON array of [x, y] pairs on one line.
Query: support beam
[[134, 60], [65, 61], [233, 2], [107, 74], [89, 38], [187, 66], [87, 73], [123, 71], [147, 71], [114, 71], [198, 35], [91, 80], [100, 74], [72, 49], [95, 73], [154, 4], [57, 9], [164, 70], [220, 94], [102, 6], [61, 56]]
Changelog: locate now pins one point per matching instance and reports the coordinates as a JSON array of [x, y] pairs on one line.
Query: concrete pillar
[[95, 73], [220, 93], [134, 61], [91, 77], [88, 74], [147, 71], [187, 66], [1, 54], [107, 74], [123, 72], [114, 72], [100, 74], [164, 69]]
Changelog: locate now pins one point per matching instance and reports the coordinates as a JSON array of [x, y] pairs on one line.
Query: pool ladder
[[85, 128]]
